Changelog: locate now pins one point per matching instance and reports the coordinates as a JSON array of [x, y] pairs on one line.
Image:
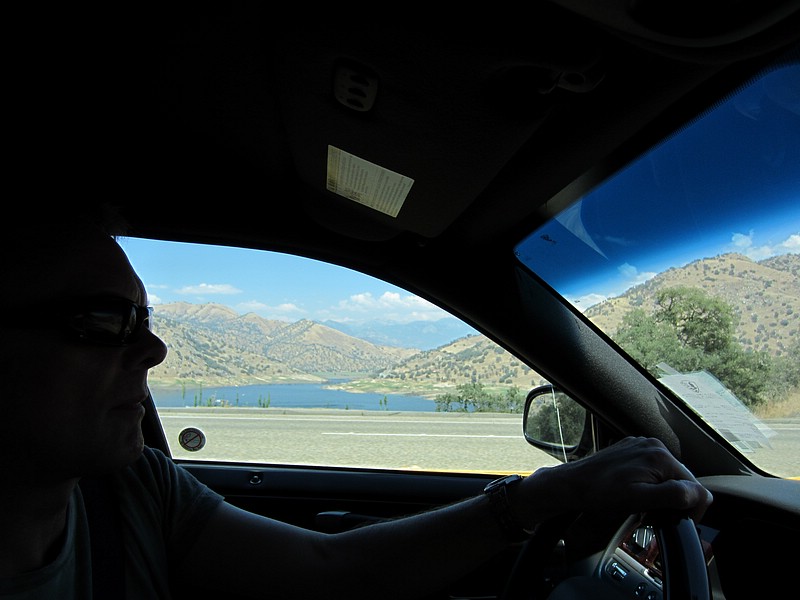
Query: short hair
[[29, 241], [83, 215]]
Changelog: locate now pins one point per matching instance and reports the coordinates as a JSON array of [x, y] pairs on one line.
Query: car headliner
[[220, 117]]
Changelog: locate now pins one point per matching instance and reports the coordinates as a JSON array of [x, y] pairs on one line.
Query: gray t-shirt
[[162, 509]]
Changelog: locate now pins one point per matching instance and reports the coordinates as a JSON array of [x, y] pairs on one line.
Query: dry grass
[[790, 407]]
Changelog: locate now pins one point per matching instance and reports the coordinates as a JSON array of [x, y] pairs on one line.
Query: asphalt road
[[782, 458], [395, 440]]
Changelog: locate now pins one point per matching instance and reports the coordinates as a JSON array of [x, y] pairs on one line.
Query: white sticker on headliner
[[366, 183]]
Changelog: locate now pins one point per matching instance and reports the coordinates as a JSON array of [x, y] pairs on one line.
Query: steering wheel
[[617, 575]]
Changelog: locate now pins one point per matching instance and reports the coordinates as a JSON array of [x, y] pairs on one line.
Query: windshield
[[689, 260]]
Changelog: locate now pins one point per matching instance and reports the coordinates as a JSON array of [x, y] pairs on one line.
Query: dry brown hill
[[214, 345], [765, 296], [470, 359]]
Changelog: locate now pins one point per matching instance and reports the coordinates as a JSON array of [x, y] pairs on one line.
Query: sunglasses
[[107, 321]]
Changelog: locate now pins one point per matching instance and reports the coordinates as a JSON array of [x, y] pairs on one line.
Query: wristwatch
[[497, 492]]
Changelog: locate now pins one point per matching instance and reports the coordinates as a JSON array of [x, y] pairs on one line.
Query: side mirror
[[554, 422]]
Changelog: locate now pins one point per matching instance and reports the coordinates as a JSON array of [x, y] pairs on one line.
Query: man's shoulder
[[158, 473], [151, 463], [152, 474], [152, 455]]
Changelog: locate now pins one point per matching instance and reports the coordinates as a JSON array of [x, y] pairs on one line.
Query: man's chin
[[134, 450], [117, 457]]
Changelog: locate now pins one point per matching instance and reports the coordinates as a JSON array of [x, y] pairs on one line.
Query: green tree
[[784, 373], [692, 331], [746, 374], [558, 418], [444, 402], [699, 320], [513, 400], [650, 342], [474, 397]]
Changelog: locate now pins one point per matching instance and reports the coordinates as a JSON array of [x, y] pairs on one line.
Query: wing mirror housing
[[556, 424]]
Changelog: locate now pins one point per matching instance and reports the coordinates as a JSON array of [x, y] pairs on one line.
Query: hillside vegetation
[[211, 344], [765, 296]]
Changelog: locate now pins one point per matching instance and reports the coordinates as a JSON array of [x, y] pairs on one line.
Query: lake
[[289, 395]]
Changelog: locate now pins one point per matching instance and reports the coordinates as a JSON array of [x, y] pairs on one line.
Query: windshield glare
[[689, 260]]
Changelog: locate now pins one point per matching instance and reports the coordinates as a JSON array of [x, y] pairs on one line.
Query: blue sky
[[588, 261], [755, 244], [273, 285], [728, 183]]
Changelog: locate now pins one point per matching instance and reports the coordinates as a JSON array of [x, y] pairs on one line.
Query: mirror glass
[[553, 417]]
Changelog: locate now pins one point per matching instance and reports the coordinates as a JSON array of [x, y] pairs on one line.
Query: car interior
[[228, 124]]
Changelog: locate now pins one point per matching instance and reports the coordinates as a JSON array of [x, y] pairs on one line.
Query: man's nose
[[151, 349]]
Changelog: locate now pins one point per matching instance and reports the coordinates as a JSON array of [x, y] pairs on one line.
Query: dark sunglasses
[[108, 321]]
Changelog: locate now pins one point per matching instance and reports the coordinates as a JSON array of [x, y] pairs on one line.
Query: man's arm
[[420, 554]]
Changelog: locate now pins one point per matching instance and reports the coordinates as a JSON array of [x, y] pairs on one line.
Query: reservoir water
[[289, 395]]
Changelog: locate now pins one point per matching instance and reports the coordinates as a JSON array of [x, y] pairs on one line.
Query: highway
[[394, 440]]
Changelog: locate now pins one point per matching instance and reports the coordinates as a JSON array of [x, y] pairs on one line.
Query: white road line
[[433, 435]]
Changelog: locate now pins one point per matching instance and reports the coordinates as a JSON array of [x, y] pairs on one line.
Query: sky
[[589, 260], [272, 285], [730, 182], [755, 245], [268, 284]]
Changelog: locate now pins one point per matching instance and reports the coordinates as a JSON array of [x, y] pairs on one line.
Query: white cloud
[[740, 240], [627, 271], [743, 243], [587, 301], [633, 276], [791, 244], [203, 289], [389, 306], [152, 297], [617, 241], [281, 312], [629, 277]]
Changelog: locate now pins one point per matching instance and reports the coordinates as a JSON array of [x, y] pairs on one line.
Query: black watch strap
[[497, 492]]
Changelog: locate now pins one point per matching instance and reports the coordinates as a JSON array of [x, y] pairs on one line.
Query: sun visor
[[396, 145]]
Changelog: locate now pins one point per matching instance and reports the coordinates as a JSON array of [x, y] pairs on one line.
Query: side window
[[279, 359]]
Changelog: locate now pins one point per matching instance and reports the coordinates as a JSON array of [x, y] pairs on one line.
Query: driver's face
[[71, 408]]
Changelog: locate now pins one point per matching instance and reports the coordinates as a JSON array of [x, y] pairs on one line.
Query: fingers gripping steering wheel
[[685, 576]]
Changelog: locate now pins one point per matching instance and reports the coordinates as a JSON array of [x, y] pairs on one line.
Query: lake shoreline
[[294, 395]]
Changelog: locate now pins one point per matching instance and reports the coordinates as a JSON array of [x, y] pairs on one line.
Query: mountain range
[[765, 296], [214, 345]]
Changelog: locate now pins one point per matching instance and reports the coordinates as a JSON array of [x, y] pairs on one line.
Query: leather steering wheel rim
[[686, 574]]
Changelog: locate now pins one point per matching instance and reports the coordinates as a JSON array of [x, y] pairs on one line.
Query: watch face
[[501, 482], [497, 493]]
